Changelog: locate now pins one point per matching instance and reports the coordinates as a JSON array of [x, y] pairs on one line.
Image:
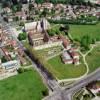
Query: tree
[[20, 70], [21, 24], [30, 7], [5, 19], [86, 41], [16, 8], [22, 36], [6, 4], [51, 32], [16, 18], [45, 12], [45, 92], [86, 96], [39, 1], [19, 7], [3, 59], [52, 11], [65, 28]]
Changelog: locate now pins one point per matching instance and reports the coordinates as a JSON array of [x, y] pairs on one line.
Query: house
[[65, 42], [7, 9], [66, 58], [11, 65], [70, 56], [94, 87], [47, 5], [21, 14], [74, 54], [93, 1]]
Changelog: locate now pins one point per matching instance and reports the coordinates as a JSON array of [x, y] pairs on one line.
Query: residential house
[[94, 87], [47, 5]]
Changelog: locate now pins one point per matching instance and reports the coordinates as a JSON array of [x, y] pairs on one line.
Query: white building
[[66, 58], [43, 24], [11, 65]]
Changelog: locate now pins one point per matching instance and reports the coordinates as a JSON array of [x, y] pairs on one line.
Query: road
[[51, 84], [66, 94]]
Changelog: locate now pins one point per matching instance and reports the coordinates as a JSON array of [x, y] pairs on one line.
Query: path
[[85, 62]]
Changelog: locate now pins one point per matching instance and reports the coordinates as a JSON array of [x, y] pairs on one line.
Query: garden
[[65, 71]]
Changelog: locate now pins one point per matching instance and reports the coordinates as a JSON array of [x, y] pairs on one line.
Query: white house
[[11, 65]]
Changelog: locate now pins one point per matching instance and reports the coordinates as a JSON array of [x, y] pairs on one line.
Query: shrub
[[20, 70], [22, 36], [45, 92]]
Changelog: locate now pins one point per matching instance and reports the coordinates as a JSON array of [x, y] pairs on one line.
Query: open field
[[64, 71], [25, 86], [93, 59], [78, 31]]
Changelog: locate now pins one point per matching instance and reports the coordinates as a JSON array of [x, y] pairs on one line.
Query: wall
[[48, 45]]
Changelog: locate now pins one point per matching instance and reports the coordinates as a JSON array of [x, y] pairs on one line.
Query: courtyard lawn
[[78, 31], [48, 52], [25, 86], [93, 59], [64, 71]]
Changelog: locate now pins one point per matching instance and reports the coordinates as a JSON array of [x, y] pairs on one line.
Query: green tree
[[30, 7], [6, 4], [3, 59], [45, 12], [86, 41], [16, 18], [65, 28], [39, 1], [21, 23], [22, 36]]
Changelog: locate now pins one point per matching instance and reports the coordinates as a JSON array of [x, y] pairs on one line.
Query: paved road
[[59, 94], [52, 84], [67, 93]]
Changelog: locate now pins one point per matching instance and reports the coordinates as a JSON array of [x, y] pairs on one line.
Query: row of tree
[[72, 2], [79, 21], [40, 61]]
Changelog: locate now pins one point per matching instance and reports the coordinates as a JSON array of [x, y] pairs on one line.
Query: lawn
[[64, 71], [48, 52], [93, 59], [78, 31], [25, 86]]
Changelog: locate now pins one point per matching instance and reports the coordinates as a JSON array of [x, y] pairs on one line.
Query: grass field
[[63, 71], [78, 31], [93, 59], [25, 86]]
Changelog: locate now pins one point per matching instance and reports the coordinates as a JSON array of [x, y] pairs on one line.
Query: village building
[[66, 58], [9, 51], [94, 87], [70, 56], [47, 5]]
